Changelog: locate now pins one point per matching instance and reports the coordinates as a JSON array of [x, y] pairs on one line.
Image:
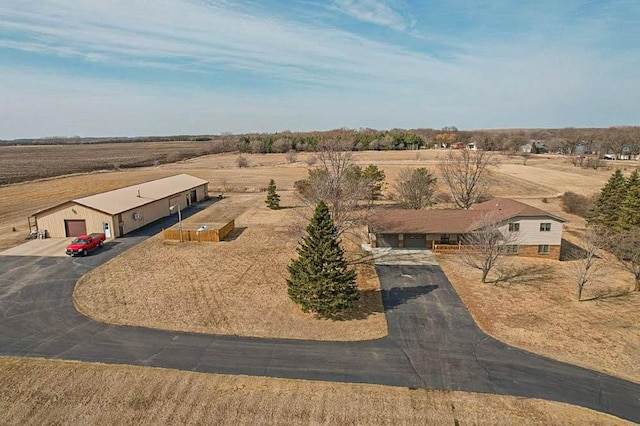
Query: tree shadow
[[570, 251], [396, 296], [233, 235], [527, 274], [378, 301], [605, 295]]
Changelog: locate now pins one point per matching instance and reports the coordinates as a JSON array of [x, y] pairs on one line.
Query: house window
[[512, 249], [514, 227], [444, 239], [545, 227], [543, 249]]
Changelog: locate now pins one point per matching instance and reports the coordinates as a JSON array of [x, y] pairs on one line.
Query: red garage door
[[73, 228]]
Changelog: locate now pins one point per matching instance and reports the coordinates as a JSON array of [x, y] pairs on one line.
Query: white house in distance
[[123, 210], [539, 233]]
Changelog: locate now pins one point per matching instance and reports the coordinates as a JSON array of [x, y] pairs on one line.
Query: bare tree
[[465, 175], [489, 241], [584, 260], [415, 188], [339, 183]]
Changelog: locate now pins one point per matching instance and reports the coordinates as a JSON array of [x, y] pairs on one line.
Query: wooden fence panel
[[208, 235]]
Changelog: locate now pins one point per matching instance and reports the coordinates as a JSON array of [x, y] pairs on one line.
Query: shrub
[[577, 204], [311, 160], [242, 161], [292, 156]]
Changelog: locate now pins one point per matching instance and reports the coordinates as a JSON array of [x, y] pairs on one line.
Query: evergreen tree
[[607, 210], [319, 280], [273, 199], [630, 211]]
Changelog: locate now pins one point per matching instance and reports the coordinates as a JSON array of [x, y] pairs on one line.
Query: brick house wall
[[532, 251]]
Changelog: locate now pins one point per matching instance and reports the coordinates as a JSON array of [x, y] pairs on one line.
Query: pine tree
[[319, 280], [630, 209], [273, 199], [607, 210]]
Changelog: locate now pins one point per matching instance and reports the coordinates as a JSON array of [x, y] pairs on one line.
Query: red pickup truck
[[82, 245]]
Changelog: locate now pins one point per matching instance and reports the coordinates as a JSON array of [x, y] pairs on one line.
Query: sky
[[165, 67]]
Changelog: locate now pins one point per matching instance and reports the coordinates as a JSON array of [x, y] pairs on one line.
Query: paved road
[[432, 342]]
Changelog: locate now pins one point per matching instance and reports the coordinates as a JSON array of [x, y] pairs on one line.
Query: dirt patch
[[36, 391], [235, 287]]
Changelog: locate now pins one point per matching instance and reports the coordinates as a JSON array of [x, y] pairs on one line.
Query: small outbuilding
[[123, 210]]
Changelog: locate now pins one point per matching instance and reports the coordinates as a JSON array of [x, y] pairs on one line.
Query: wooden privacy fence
[[203, 233], [447, 248]]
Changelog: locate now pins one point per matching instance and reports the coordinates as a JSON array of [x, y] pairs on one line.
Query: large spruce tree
[[607, 211], [273, 199], [319, 280], [630, 209]]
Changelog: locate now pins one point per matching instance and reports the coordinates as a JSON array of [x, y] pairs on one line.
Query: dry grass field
[[233, 287], [36, 392], [543, 315]]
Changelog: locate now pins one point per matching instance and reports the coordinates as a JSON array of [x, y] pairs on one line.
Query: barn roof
[[447, 221], [131, 197]]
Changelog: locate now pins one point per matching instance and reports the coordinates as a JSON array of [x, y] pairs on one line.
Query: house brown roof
[[424, 221], [506, 208], [448, 221]]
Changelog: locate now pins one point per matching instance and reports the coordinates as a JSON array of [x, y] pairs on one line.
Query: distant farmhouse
[[123, 210], [444, 230], [534, 147]]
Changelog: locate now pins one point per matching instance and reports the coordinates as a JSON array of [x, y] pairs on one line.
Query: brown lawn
[[35, 392], [543, 315], [234, 287]]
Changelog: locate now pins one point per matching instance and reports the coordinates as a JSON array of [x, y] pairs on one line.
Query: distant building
[[534, 147]]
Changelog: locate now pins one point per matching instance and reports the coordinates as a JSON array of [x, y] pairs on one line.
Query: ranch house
[[123, 210], [539, 233]]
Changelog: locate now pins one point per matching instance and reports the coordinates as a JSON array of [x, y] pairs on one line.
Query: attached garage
[[415, 241], [75, 228], [123, 210], [388, 240]]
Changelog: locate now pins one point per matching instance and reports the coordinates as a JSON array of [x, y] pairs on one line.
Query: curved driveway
[[433, 341]]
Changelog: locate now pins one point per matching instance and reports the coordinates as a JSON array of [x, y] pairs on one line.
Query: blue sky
[[150, 67]]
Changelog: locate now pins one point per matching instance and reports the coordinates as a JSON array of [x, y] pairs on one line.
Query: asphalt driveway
[[432, 342]]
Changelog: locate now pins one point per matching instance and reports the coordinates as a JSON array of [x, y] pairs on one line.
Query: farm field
[[29, 162], [35, 391]]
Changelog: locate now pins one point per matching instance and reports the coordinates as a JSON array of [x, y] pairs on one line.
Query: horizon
[[198, 67]]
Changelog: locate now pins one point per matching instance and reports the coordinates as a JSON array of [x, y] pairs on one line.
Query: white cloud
[[377, 12], [327, 77]]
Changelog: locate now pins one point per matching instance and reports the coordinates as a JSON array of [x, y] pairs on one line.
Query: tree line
[[621, 140]]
